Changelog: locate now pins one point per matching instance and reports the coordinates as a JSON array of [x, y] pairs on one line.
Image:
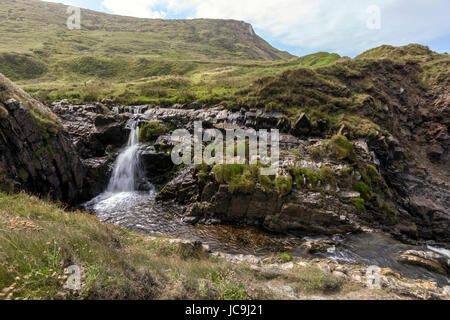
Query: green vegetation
[[283, 185], [388, 211], [363, 189], [266, 183], [240, 178], [228, 290], [47, 121], [242, 184], [285, 257], [116, 263], [225, 173], [118, 57], [201, 60], [338, 146], [319, 59], [119, 264], [409, 52], [359, 204], [313, 280], [21, 66], [107, 35], [150, 131], [342, 148], [327, 176], [374, 181], [309, 179], [312, 178]]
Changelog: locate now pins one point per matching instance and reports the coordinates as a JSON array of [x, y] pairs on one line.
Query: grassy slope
[[211, 84], [348, 91], [118, 263], [32, 26], [34, 34], [129, 59]]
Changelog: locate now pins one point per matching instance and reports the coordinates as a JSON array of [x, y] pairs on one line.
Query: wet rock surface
[[421, 203], [429, 260], [386, 279], [94, 129]]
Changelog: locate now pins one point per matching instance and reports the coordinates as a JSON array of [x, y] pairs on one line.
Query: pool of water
[[140, 212]]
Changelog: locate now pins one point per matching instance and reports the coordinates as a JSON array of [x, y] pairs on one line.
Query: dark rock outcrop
[[156, 164], [302, 126], [33, 158], [94, 129]]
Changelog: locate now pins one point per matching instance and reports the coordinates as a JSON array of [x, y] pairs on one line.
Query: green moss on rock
[[243, 184], [224, 173], [342, 148], [363, 189], [150, 131], [359, 204], [284, 185]]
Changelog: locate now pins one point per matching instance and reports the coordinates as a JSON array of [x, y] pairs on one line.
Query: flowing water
[[124, 205], [127, 167], [376, 249]]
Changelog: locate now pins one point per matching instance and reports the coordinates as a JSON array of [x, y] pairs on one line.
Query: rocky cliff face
[[326, 194], [36, 154], [375, 184], [315, 191]]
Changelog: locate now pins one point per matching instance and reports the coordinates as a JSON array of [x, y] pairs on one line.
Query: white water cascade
[[127, 167], [126, 180]]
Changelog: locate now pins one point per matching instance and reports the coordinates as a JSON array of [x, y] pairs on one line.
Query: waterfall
[[127, 167]]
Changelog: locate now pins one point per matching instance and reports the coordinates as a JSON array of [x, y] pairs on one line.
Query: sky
[[346, 27]]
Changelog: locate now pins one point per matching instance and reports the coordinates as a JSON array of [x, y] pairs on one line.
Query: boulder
[[93, 132], [319, 246], [427, 259]]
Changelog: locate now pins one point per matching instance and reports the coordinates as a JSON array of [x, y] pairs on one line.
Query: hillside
[[33, 34]]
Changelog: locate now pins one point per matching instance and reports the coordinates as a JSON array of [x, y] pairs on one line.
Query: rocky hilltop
[[140, 47]]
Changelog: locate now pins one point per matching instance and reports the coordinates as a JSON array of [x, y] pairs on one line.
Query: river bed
[[139, 211]]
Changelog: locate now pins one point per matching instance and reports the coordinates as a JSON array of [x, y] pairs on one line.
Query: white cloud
[[311, 25], [135, 8]]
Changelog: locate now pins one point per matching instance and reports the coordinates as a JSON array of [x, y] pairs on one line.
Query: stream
[[121, 204]]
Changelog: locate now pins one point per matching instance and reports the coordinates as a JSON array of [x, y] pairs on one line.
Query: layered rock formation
[[36, 154]]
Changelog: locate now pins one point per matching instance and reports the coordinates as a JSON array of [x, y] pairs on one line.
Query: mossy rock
[[224, 173], [283, 185], [150, 131], [342, 148], [359, 204], [363, 189], [241, 184]]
